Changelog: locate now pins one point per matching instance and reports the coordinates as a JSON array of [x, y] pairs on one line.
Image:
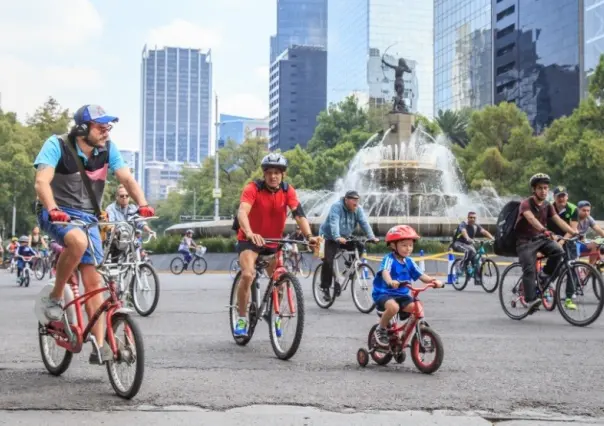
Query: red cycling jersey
[[269, 210]]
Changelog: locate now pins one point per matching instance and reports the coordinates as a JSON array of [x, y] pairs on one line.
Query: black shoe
[[106, 354], [337, 289], [326, 295], [533, 306]]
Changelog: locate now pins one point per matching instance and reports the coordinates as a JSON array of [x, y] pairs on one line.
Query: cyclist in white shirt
[[185, 246]]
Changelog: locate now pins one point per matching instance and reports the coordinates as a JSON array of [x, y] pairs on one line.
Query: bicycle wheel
[[362, 287], [199, 265], [291, 308], [177, 266], [380, 356], [234, 313], [419, 349], [58, 361], [144, 290], [511, 285], [589, 279], [460, 277], [27, 277], [130, 351], [304, 266], [234, 267], [489, 275], [39, 269], [317, 293]]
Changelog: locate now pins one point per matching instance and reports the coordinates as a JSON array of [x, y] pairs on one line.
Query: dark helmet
[[274, 160], [539, 178], [352, 194]]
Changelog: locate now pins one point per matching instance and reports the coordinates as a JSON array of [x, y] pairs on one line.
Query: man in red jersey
[[262, 214]]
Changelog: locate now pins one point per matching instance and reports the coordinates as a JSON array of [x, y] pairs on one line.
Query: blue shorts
[[583, 247], [402, 301], [58, 232]]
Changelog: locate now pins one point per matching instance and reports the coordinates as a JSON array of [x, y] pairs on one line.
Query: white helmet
[[274, 160]]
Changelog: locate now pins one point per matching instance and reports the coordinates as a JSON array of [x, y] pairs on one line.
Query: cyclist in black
[[463, 239]]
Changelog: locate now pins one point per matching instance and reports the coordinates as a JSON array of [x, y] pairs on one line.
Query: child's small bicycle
[[414, 333]]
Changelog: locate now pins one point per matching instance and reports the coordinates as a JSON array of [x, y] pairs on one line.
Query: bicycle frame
[[271, 288], [351, 256]]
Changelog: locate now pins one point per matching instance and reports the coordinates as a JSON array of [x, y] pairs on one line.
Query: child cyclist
[[390, 291]]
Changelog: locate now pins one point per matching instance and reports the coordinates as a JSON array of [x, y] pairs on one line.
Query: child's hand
[[394, 284], [438, 284]]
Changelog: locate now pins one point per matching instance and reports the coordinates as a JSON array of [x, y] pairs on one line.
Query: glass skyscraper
[[175, 108], [538, 57], [301, 22], [594, 34], [463, 54], [361, 32]]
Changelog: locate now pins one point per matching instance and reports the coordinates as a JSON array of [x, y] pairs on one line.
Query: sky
[[89, 52]]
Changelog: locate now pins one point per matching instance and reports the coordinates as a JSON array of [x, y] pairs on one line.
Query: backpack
[[505, 235], [259, 186]]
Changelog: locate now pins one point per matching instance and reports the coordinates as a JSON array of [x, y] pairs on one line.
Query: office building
[[538, 57], [297, 96], [593, 19], [362, 32], [131, 158], [238, 129], [300, 22], [176, 87], [463, 54]]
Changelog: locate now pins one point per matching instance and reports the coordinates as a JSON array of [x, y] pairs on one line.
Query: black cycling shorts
[[248, 245]]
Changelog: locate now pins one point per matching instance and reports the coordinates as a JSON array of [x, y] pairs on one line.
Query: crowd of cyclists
[[71, 173]]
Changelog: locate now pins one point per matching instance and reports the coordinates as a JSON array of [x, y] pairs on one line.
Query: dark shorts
[[402, 302], [248, 245]]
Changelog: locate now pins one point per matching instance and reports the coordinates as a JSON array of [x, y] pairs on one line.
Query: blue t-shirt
[[401, 271], [50, 154], [26, 251]]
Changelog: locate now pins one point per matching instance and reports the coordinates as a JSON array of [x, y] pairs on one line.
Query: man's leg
[[554, 254], [527, 256], [331, 249], [92, 280], [247, 262], [74, 243]]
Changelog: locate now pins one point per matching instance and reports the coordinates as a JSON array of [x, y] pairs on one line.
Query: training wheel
[[363, 357]]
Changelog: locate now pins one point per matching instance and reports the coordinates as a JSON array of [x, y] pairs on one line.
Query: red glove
[[57, 215], [146, 211], [548, 233]]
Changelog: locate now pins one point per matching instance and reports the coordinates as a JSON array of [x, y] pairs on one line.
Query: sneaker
[[569, 304], [278, 331], [533, 305], [381, 336], [326, 295], [53, 309], [337, 289], [241, 327], [106, 355]]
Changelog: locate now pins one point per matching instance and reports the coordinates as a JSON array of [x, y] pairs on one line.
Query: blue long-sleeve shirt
[[341, 222]]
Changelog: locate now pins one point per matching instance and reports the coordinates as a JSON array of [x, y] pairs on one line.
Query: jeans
[[187, 255], [468, 250], [527, 256], [331, 249]]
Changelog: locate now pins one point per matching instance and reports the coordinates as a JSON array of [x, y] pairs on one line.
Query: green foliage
[[454, 124], [169, 244]]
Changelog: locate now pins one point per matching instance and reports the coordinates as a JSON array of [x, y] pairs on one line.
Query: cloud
[[262, 72], [181, 33], [41, 24], [244, 104]]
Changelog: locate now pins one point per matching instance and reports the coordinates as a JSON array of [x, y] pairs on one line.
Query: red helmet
[[401, 232]]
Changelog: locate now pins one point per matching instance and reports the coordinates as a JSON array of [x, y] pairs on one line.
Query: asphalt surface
[[493, 366]]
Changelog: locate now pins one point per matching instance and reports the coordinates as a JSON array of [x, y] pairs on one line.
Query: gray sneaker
[[106, 355], [53, 309]]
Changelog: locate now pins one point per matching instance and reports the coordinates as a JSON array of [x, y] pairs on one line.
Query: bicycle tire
[[560, 301], [354, 284], [234, 267], [381, 359], [305, 266], [234, 313], [297, 289], [174, 269], [199, 265], [39, 269], [145, 313], [140, 357], [317, 293], [481, 271], [60, 367], [438, 347], [518, 282], [456, 282]]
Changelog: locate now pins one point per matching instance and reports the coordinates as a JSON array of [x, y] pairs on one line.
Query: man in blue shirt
[[344, 216], [25, 251], [63, 196]]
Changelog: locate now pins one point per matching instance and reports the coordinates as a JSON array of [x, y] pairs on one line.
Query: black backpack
[[260, 185], [505, 235]]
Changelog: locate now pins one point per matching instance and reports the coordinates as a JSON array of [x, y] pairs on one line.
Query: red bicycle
[[68, 335], [414, 333], [271, 308]]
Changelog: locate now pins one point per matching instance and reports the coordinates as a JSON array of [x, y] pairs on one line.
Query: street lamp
[[217, 193]]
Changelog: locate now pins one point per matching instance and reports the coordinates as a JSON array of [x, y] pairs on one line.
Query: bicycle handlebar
[[285, 241], [417, 290]]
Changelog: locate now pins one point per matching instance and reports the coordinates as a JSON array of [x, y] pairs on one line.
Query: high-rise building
[[132, 158], [176, 86], [239, 128], [593, 20], [463, 54], [299, 22], [297, 96], [362, 32], [538, 57]]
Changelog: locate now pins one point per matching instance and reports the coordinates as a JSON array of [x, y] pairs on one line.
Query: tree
[[453, 125]]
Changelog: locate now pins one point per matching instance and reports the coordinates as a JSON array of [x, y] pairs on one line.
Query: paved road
[[492, 365]]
